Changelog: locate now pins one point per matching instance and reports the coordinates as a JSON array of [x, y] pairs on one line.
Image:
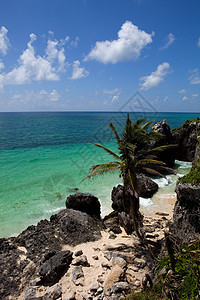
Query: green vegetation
[[193, 177], [183, 283], [135, 156], [187, 122]]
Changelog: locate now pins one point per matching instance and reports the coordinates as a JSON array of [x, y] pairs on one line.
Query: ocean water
[[45, 156]]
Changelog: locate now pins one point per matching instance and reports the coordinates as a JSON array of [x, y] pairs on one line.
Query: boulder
[[146, 187], [124, 200], [167, 155], [76, 227], [186, 139], [54, 266], [84, 202], [186, 225]]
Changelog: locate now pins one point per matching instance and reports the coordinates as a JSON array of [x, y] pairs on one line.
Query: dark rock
[[84, 202], [31, 294], [167, 155], [53, 292], [186, 225], [111, 221], [78, 253], [146, 187], [186, 139], [77, 227], [197, 152], [112, 236], [77, 273], [123, 199], [53, 268], [81, 261]]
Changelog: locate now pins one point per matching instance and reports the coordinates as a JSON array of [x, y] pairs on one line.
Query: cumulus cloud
[[131, 41], [169, 40], [156, 77], [4, 41], [32, 67], [194, 77], [78, 72]]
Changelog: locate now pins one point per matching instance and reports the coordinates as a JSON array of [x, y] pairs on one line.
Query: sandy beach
[[112, 257]]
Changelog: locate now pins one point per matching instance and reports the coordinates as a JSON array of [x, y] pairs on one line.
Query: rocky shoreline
[[76, 255]]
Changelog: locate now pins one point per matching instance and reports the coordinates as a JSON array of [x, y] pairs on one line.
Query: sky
[[108, 55]]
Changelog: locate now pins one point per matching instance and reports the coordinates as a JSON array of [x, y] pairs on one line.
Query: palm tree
[[135, 156]]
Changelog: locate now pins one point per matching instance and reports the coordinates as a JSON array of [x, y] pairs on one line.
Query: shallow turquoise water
[[43, 156]]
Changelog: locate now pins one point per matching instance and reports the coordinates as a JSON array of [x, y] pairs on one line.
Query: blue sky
[[92, 55]]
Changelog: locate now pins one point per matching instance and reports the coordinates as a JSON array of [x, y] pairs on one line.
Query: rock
[[146, 187], [77, 227], [167, 155], [54, 267], [186, 139], [31, 294], [119, 287], [77, 273], [70, 296], [112, 236], [114, 276], [94, 287], [95, 257], [186, 218], [122, 199], [81, 261], [161, 213], [118, 261], [139, 262], [127, 257], [78, 253], [106, 265], [84, 202], [53, 292], [111, 221]]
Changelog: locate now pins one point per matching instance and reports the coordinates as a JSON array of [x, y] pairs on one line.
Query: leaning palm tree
[[135, 156]]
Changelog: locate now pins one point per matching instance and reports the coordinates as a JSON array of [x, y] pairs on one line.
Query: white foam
[[184, 164], [54, 210], [145, 201], [161, 182]]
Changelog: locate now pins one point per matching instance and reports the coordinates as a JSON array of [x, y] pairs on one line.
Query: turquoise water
[[44, 156]]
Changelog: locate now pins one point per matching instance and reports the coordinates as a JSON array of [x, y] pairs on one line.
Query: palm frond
[[107, 150], [146, 125], [162, 148], [152, 172], [115, 132]]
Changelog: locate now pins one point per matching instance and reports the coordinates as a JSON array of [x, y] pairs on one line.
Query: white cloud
[[185, 98], [165, 99], [4, 41], [32, 67], [113, 95], [131, 41], [183, 91], [195, 95], [1, 65], [54, 96], [195, 77], [77, 71], [156, 77], [75, 43], [169, 40], [198, 43]]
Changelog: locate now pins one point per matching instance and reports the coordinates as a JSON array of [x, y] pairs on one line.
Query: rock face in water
[[167, 155], [84, 202], [186, 139], [187, 212], [146, 187]]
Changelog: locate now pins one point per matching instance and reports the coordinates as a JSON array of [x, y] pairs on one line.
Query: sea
[[45, 157]]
